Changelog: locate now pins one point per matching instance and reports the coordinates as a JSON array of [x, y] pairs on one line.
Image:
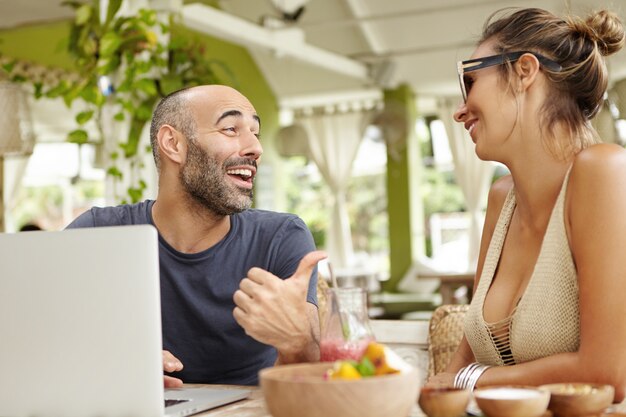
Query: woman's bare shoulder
[[603, 157], [497, 195], [599, 167], [499, 190], [596, 188]]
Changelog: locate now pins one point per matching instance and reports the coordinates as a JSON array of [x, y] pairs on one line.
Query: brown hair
[[172, 110], [577, 92]]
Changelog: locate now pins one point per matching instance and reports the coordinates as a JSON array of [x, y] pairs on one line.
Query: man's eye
[[230, 130]]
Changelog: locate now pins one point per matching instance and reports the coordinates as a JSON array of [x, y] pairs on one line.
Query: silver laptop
[[80, 327]]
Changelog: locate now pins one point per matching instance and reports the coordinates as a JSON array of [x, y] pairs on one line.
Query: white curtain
[[333, 141], [17, 140], [473, 175]]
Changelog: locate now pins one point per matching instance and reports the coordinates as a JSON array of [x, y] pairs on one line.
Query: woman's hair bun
[[603, 27]]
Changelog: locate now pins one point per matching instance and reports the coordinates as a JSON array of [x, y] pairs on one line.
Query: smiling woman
[[549, 271]]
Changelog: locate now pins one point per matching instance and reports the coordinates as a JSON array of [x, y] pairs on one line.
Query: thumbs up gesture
[[274, 311]]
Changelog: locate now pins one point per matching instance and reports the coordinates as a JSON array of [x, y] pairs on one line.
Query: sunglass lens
[[467, 83]]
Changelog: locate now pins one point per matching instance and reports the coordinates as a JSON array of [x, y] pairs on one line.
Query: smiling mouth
[[241, 175]]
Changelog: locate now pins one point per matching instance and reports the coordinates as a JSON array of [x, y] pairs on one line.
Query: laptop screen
[[80, 322]]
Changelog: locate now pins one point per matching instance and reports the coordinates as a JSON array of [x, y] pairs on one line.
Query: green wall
[[43, 44], [46, 44]]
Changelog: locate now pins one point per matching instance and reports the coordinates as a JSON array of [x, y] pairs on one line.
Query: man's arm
[[310, 349], [276, 312]]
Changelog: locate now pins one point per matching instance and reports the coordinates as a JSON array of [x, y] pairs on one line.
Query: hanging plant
[[121, 66]]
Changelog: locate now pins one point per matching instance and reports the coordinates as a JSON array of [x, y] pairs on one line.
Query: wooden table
[[254, 406]]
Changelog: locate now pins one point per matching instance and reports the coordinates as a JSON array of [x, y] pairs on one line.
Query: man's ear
[[171, 144], [527, 67]]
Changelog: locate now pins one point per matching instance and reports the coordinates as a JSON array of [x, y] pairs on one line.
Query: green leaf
[[170, 83], [109, 44], [83, 14], [143, 66], [90, 94], [88, 47], [58, 90], [83, 117], [114, 155], [115, 172], [8, 67], [144, 111], [107, 65], [366, 367], [119, 116], [78, 136], [148, 17], [135, 194], [74, 92], [147, 86], [114, 7], [38, 90]]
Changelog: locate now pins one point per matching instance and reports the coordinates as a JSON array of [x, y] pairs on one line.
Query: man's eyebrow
[[236, 113]]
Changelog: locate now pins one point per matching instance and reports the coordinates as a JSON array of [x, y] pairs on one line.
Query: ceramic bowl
[[444, 402], [578, 399], [301, 390], [512, 401]]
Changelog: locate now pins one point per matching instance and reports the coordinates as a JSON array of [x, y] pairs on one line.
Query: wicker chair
[[444, 335]]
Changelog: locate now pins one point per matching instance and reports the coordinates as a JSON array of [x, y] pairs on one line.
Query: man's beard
[[204, 179]]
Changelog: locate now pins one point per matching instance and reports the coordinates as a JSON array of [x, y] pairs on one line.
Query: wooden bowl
[[301, 391], [444, 402], [578, 399], [512, 401]]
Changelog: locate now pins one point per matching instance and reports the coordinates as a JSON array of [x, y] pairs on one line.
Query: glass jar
[[346, 329]]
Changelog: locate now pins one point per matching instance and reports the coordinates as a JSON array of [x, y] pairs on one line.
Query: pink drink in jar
[[338, 349], [346, 331]]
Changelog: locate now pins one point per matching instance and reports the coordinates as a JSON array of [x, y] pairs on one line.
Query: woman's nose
[[460, 113]]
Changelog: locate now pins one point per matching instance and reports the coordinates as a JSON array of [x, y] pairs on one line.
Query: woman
[[550, 293]]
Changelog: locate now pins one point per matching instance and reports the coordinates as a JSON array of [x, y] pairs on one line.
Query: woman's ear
[[527, 67], [171, 144]]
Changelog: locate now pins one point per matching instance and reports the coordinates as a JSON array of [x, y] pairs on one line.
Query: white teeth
[[471, 128], [244, 172]]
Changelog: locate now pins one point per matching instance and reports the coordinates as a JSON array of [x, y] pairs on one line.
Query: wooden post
[[404, 203]]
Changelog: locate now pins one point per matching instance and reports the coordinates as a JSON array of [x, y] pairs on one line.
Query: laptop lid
[[80, 324]]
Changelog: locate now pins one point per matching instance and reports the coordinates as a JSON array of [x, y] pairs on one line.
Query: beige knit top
[[546, 319]]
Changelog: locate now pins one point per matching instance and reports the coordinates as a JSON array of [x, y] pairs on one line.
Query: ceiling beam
[[331, 99], [288, 41]]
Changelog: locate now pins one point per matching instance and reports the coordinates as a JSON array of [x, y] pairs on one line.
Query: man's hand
[[171, 364], [274, 311]]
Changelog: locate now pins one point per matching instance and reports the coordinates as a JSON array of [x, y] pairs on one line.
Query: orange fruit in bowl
[[385, 360], [345, 370]]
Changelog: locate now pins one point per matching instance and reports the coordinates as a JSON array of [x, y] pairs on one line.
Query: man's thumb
[[307, 263]]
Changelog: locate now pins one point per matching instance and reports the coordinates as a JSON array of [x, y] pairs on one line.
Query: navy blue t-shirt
[[197, 289]]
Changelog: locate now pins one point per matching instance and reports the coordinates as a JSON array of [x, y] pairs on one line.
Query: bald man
[[237, 284]]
